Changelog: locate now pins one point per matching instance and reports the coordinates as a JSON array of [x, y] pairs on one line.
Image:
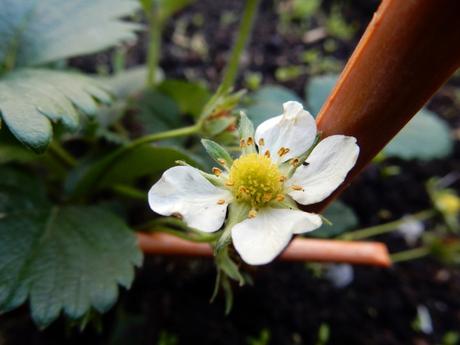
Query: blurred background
[[297, 48]]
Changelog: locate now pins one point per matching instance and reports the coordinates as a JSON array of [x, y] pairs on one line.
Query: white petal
[[259, 240], [295, 130], [183, 190], [328, 165]]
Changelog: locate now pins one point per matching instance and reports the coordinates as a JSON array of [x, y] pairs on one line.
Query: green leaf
[[12, 151], [127, 82], [218, 153], [63, 259], [145, 160], [317, 91], [158, 112], [425, 137], [37, 32], [120, 166], [268, 102], [191, 97], [342, 217], [31, 99]]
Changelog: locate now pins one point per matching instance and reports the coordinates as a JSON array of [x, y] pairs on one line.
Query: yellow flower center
[[254, 179]]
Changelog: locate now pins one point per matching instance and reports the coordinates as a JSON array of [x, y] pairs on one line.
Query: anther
[[220, 202], [295, 162], [295, 187], [221, 161], [250, 141], [282, 151], [282, 178], [243, 189], [216, 171], [242, 143], [279, 197], [267, 154], [252, 213], [267, 197], [261, 142], [229, 184]]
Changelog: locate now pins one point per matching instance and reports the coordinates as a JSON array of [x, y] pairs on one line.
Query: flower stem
[[244, 32], [154, 49], [129, 192], [387, 227], [96, 173], [60, 153], [173, 133], [192, 237], [410, 254]]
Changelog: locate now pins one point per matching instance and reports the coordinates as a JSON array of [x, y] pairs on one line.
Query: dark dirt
[[379, 307]]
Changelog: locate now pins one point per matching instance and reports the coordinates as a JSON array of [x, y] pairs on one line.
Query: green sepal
[[218, 153], [228, 266], [237, 212], [213, 127], [216, 181], [246, 130], [288, 203], [288, 168]]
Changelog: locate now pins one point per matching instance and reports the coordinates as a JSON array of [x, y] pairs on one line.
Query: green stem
[[244, 32], [193, 237], [129, 192], [387, 227], [60, 153], [97, 172], [173, 133], [154, 49], [410, 254], [153, 58]]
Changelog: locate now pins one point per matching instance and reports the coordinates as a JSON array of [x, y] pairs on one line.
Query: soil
[[170, 296]]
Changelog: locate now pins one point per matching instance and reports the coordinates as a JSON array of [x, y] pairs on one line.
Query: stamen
[[250, 141], [220, 202], [267, 154], [267, 197], [216, 171], [252, 213], [221, 161], [279, 197], [254, 179], [261, 142], [242, 143], [282, 151], [295, 162], [295, 187], [283, 178]]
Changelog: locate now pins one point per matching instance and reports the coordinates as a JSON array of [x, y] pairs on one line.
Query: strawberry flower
[[281, 163]]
